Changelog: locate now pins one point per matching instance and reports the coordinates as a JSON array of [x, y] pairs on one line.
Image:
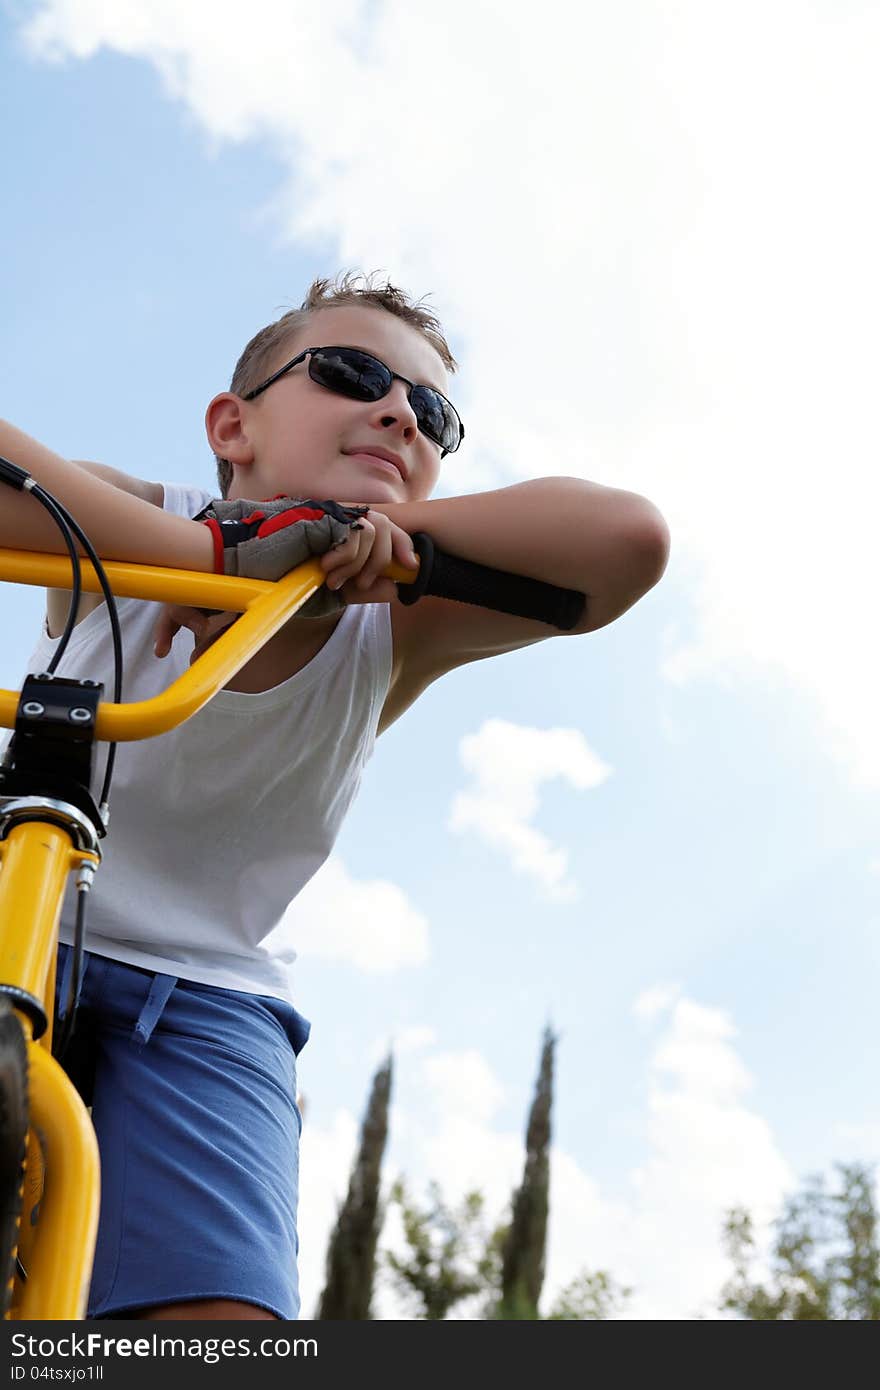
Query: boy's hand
[[265, 540], [205, 624], [354, 566]]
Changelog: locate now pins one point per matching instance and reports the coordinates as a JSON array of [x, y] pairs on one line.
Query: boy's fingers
[[213, 628], [164, 633], [365, 555], [339, 552], [182, 615], [366, 552], [342, 555], [378, 560], [203, 623], [402, 548], [345, 561]]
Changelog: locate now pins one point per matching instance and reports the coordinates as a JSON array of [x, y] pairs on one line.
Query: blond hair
[[350, 287]]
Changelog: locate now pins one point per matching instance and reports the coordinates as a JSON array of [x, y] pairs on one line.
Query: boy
[[187, 1033]]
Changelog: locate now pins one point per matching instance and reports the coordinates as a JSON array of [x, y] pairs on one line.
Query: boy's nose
[[395, 410]]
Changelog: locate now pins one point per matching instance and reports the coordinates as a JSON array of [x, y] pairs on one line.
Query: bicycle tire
[[13, 1139]]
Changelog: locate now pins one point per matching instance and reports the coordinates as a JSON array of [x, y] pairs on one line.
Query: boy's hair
[[259, 357]]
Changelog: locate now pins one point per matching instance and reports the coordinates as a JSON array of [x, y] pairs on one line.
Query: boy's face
[[301, 439]]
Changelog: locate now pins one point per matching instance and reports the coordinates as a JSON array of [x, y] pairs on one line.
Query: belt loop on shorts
[[160, 992]]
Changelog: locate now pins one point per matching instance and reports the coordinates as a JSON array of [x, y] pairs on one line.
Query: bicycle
[[50, 826]]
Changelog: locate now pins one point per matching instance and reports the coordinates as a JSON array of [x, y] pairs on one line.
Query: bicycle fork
[[60, 1219]]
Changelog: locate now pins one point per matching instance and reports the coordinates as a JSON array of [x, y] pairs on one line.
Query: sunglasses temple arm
[[448, 576]]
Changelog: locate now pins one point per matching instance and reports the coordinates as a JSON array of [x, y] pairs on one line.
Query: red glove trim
[[214, 527], [290, 518]]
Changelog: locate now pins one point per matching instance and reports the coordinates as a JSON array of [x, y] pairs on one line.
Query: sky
[[650, 232]]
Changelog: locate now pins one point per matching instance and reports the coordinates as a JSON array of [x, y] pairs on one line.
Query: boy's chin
[[370, 489]]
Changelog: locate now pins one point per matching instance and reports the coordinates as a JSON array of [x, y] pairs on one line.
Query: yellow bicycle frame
[[36, 857]]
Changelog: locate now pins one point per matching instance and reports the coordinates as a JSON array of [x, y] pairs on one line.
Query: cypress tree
[[522, 1261], [351, 1253]]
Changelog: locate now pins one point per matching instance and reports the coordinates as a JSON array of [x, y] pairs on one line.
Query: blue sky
[[698, 272]]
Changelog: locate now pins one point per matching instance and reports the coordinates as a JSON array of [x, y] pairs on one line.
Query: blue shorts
[[193, 1096]]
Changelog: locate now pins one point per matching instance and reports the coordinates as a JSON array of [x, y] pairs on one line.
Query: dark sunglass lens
[[351, 373], [436, 417]]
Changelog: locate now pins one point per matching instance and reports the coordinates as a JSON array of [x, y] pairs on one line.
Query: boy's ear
[[224, 425]]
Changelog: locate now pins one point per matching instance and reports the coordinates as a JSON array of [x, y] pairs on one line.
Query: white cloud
[[463, 1084], [697, 1052], [367, 923], [413, 1040], [709, 1152], [656, 1000], [508, 764]]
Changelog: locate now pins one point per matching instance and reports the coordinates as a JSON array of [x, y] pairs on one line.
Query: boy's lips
[[385, 455]]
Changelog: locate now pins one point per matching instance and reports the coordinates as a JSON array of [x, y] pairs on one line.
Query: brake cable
[[22, 481]]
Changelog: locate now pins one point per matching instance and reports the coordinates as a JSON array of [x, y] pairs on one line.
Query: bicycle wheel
[[13, 1135]]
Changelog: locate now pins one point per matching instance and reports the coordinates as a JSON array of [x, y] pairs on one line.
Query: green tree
[[523, 1253], [589, 1298], [825, 1257], [454, 1255], [451, 1253], [351, 1253]]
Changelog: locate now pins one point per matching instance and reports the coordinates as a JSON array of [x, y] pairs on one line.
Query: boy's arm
[[609, 544], [58, 600], [122, 517], [120, 525]]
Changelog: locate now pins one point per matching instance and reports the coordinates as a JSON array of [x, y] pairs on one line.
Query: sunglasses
[[355, 374]]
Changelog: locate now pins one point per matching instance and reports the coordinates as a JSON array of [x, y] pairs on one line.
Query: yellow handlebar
[[265, 608]]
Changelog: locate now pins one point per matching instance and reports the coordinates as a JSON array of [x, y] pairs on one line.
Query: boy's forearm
[[609, 544], [120, 526]]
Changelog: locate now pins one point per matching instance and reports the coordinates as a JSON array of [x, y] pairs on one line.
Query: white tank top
[[216, 826]]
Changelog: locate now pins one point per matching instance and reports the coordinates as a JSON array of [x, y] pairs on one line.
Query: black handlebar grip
[[448, 576]]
